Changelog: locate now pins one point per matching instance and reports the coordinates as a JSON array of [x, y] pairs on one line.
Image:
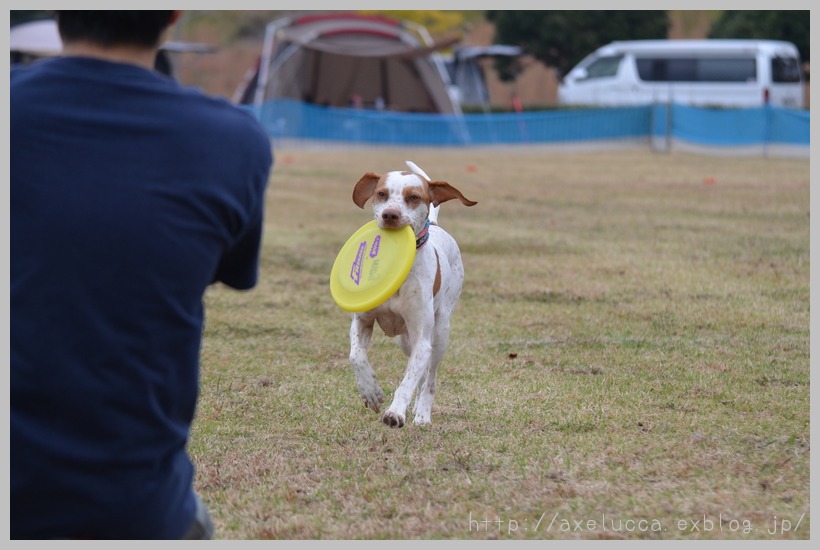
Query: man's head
[[142, 29]]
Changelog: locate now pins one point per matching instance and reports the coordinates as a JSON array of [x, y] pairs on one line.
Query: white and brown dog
[[418, 314]]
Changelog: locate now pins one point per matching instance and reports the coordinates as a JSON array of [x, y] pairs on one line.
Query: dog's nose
[[391, 216]]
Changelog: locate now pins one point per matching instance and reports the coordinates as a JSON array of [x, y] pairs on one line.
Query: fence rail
[[663, 127]]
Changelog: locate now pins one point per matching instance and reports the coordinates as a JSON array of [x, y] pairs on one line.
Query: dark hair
[[114, 27]]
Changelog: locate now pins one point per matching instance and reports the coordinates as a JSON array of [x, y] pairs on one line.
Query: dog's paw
[[423, 409], [373, 398], [393, 419]]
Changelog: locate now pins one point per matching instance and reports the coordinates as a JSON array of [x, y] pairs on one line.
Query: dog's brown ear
[[364, 188], [441, 191]]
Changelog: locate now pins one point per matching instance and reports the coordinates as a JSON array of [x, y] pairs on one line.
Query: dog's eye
[[413, 198], [382, 194]]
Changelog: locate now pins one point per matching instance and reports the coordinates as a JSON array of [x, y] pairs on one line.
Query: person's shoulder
[[215, 105], [212, 121], [222, 114], [28, 84], [22, 72], [17, 73]]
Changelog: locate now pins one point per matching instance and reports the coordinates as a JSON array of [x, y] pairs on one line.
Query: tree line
[[560, 39]]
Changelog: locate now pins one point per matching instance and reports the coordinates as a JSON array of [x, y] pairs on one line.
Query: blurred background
[[433, 77], [214, 50]]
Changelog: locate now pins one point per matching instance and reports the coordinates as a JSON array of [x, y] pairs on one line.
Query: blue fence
[[732, 127], [711, 127]]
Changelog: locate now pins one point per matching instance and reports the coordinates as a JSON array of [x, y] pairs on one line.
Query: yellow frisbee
[[371, 266]]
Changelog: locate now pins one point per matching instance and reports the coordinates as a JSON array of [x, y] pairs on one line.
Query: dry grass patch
[[632, 344]]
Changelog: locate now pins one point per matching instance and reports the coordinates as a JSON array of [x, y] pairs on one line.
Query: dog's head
[[403, 198]]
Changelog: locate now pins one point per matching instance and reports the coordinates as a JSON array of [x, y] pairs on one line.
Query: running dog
[[418, 313]]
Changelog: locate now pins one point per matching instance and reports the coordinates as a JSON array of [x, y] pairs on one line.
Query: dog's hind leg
[[361, 333]]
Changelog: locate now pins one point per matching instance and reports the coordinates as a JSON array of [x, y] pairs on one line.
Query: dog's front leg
[[427, 385], [361, 333], [419, 328]]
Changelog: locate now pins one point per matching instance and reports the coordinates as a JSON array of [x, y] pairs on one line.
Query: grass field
[[629, 359]]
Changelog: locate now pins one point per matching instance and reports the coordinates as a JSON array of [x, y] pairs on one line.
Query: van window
[[604, 67], [708, 69], [785, 69]]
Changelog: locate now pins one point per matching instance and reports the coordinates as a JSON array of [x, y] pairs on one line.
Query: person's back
[[129, 196]]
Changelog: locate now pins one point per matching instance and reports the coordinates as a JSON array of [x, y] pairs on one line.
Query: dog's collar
[[421, 238]]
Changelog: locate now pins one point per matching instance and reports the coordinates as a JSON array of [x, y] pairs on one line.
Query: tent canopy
[[350, 60]]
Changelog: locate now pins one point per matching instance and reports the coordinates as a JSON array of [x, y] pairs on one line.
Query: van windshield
[[690, 69], [604, 67]]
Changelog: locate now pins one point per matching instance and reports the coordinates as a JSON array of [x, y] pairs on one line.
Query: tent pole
[[265, 60]]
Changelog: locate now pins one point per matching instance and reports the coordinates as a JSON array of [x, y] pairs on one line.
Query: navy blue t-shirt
[[130, 195]]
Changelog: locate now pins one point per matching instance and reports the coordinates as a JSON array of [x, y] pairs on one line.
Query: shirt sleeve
[[239, 266]]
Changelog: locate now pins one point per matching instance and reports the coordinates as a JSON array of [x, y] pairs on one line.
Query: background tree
[[561, 39], [791, 25], [437, 22]]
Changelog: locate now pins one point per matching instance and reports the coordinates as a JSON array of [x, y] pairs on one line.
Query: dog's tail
[[433, 216], [416, 170]]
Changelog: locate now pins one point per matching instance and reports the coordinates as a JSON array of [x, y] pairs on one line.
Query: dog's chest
[[391, 323], [418, 292], [391, 314]]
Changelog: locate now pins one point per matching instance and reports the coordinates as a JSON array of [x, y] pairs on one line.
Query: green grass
[[631, 344]]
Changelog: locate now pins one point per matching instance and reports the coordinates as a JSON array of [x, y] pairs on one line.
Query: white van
[[718, 72]]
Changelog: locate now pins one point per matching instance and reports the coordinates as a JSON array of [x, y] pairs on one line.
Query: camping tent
[[350, 60]]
